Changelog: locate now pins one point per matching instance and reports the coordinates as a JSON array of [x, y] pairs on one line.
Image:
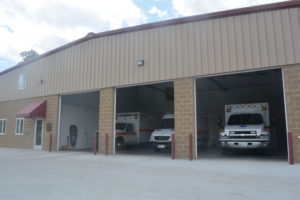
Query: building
[[237, 56]]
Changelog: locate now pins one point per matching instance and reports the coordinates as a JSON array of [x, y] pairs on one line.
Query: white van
[[161, 137]]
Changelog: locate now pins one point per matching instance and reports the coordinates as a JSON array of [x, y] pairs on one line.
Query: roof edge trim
[[213, 15]]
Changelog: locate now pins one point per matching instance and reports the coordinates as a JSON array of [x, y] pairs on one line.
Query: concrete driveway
[[29, 174]]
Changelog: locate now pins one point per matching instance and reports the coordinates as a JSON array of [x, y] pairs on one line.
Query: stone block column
[[106, 120], [184, 102], [292, 96]]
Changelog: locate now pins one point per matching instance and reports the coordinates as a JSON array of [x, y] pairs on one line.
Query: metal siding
[[262, 35], [197, 52], [173, 51], [184, 44], [155, 55], [254, 42], [288, 41], [136, 56], [278, 30], [211, 49], [271, 39], [217, 46], [247, 42], [232, 44], [150, 64], [235, 43], [294, 17], [239, 43], [178, 49], [167, 50], [203, 44]]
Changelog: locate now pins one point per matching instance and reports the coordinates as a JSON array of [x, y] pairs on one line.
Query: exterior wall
[[227, 44], [8, 111], [292, 93], [106, 118], [184, 104]]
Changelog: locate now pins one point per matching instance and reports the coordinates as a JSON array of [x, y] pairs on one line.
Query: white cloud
[[160, 13], [193, 7], [46, 24]]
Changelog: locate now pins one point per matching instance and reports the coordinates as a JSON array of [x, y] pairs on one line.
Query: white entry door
[[38, 135]]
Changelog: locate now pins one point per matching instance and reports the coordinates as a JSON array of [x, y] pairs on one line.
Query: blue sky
[[43, 25]]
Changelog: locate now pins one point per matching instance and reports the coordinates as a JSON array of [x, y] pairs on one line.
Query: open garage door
[[139, 111], [242, 114], [79, 120]]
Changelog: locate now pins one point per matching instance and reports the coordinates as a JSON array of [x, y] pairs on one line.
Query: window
[[129, 128], [2, 126], [22, 81], [120, 126], [245, 119], [19, 126]]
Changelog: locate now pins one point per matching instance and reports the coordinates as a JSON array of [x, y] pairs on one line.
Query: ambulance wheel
[[156, 149], [225, 151], [119, 143], [268, 151]]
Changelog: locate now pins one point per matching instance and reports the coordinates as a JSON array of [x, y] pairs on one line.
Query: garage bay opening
[[79, 121], [242, 115], [144, 119]]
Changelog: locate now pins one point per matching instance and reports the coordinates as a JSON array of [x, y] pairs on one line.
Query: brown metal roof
[[226, 13]]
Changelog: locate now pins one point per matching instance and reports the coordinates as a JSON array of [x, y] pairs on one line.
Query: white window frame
[[22, 83], [3, 128], [18, 126]]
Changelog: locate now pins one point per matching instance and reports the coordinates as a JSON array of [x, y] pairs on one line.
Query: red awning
[[35, 109]]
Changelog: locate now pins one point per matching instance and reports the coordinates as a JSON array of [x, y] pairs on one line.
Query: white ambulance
[[247, 126], [161, 137], [133, 128]]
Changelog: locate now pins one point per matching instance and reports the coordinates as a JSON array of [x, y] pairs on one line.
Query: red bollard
[[95, 143], [190, 147], [50, 142], [106, 144], [290, 149], [173, 146]]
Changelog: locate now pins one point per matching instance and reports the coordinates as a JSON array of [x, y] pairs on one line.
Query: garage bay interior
[[139, 110], [79, 120], [214, 93]]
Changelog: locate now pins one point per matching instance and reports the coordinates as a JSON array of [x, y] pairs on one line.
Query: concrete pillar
[[292, 96], [106, 120], [184, 102], [51, 119]]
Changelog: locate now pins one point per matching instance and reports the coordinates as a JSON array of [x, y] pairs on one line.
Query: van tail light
[[267, 129], [221, 130]]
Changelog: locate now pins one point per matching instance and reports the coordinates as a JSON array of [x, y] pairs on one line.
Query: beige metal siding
[[228, 44]]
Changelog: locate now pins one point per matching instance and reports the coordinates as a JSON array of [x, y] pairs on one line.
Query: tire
[[119, 144], [225, 151], [155, 149], [268, 151]]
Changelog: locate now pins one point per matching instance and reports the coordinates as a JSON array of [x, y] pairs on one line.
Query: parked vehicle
[[247, 127], [161, 137], [133, 128]]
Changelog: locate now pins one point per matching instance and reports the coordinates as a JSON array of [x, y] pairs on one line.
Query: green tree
[[28, 55]]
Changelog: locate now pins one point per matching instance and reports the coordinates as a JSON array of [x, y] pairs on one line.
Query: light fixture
[[40, 81], [140, 63]]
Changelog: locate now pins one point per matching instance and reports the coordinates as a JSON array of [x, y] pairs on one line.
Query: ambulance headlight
[[264, 136]]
